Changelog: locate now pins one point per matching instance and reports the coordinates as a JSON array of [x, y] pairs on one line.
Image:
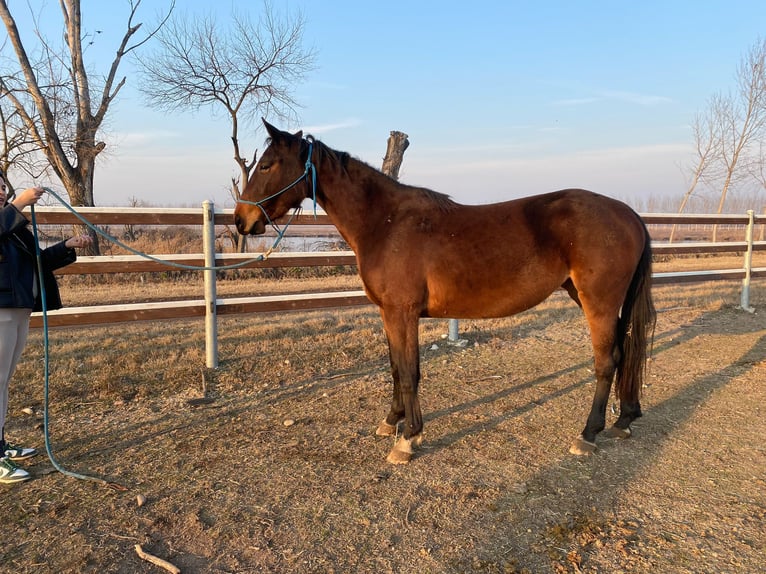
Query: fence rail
[[210, 306]]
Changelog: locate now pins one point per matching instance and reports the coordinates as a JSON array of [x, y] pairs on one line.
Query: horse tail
[[635, 328]]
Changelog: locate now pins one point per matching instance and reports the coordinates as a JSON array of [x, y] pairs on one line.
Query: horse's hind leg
[[629, 411], [602, 330]]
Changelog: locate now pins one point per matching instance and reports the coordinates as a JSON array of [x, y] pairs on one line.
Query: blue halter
[[309, 169]]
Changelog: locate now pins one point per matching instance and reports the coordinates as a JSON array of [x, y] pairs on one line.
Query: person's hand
[[29, 196], [79, 241]]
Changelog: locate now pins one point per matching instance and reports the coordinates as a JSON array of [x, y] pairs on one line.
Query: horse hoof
[[402, 451], [617, 432], [399, 457], [385, 429], [582, 447]]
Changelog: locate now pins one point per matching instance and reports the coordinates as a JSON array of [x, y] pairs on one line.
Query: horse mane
[[340, 161]]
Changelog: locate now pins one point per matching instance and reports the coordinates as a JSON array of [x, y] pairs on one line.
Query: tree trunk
[[80, 187], [240, 240], [685, 200], [724, 192], [84, 118], [397, 144]]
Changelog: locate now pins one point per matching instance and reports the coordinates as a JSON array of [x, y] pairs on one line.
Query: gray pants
[[14, 327]]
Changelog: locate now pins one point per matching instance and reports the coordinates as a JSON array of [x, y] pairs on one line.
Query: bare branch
[[706, 142], [52, 94], [737, 124], [246, 71]]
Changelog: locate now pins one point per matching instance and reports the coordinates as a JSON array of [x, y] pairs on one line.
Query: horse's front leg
[[402, 333], [388, 426]]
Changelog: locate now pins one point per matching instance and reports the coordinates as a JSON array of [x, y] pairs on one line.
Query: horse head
[[280, 182]]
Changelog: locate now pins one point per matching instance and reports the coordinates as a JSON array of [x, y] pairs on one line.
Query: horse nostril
[[237, 221]]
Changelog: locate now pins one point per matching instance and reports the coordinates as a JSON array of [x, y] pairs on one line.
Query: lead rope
[[46, 340], [262, 257], [46, 345], [309, 169]]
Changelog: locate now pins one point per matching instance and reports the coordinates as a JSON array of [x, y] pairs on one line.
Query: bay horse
[[420, 254]]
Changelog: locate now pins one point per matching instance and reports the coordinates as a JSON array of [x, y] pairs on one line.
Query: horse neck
[[346, 195]]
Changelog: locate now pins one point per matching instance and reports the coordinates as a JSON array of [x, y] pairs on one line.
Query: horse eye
[[264, 166]]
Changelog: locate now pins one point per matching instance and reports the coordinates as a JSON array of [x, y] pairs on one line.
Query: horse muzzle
[[257, 227]]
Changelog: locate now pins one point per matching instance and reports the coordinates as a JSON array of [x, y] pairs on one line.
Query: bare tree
[[244, 70], [55, 99], [742, 119], [706, 142]]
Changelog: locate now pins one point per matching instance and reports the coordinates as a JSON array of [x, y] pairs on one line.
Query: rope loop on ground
[[46, 343]]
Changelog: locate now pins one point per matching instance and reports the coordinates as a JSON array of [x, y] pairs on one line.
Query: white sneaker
[[19, 452], [10, 473]]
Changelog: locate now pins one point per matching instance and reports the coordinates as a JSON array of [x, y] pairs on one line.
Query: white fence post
[[745, 297], [208, 250]]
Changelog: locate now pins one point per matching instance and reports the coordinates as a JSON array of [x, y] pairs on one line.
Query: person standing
[[19, 296]]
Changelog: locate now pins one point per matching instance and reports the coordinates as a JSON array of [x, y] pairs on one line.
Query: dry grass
[[230, 488]]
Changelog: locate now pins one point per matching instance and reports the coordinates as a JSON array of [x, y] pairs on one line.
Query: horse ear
[[278, 135], [299, 134], [274, 133]]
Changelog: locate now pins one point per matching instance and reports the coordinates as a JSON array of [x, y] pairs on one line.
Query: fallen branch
[[157, 561]]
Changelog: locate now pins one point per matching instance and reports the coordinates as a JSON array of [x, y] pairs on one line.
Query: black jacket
[[18, 264]]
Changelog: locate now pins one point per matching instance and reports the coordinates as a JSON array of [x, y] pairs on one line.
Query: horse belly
[[483, 297]]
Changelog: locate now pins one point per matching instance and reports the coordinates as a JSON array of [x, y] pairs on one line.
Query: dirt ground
[[272, 464]]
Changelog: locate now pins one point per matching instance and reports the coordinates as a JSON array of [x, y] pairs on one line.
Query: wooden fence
[[210, 306]]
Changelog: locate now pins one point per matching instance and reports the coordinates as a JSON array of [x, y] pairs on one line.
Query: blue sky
[[500, 99]]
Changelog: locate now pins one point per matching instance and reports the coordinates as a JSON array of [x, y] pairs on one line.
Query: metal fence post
[[452, 331], [745, 297], [208, 250]]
